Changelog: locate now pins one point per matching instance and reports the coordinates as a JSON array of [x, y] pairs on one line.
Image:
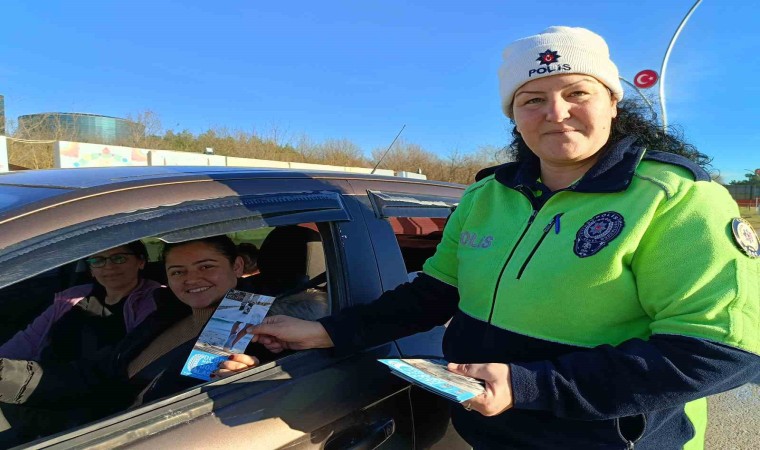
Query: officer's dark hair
[[222, 243], [630, 121]]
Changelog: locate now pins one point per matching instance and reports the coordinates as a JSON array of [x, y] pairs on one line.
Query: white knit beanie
[[556, 51]]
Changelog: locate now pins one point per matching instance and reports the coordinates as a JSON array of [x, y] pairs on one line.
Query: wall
[[3, 155], [79, 154]]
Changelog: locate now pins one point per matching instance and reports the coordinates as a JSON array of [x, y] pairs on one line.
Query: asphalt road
[[733, 419]]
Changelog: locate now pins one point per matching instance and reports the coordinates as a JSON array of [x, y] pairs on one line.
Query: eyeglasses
[[100, 261]]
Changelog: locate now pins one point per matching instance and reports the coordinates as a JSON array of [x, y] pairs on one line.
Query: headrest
[[289, 255]]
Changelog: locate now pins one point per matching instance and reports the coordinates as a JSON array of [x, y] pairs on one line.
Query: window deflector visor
[[393, 204], [183, 221]]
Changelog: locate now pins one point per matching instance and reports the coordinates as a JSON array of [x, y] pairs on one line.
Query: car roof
[[36, 202], [21, 188], [99, 176]]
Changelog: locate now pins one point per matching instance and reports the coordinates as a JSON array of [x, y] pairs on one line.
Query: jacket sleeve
[[29, 342], [410, 308], [632, 378], [702, 294], [431, 299]]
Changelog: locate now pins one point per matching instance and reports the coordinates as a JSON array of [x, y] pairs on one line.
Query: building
[[78, 127]]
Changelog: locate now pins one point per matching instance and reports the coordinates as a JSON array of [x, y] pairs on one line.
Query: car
[[374, 232]]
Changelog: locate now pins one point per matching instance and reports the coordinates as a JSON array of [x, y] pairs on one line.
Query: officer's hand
[[278, 333], [498, 395]]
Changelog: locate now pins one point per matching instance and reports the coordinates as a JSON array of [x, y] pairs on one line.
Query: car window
[[417, 221], [292, 265], [417, 238]]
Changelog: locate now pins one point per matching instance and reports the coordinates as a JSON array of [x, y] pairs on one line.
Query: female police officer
[[615, 289]]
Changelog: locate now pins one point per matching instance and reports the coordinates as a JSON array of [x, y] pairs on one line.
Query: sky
[[361, 69]]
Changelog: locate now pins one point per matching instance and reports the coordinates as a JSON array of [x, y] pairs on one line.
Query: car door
[[307, 399], [406, 221]]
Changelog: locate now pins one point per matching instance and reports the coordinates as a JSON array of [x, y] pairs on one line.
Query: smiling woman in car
[[140, 367], [601, 285], [90, 316], [146, 364]]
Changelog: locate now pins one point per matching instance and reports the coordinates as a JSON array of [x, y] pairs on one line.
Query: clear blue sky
[[359, 70]]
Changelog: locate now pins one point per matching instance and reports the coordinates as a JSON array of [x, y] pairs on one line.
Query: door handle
[[363, 437]]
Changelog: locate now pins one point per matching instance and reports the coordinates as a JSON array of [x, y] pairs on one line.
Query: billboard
[[71, 155]]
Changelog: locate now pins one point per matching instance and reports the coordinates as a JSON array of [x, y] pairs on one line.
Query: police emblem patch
[[547, 57], [745, 237], [595, 234]]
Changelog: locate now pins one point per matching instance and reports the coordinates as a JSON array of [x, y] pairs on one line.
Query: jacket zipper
[[555, 224], [631, 444], [527, 227], [498, 280]]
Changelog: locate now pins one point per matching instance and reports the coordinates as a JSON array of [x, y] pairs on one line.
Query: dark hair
[[250, 254], [221, 243], [246, 248], [138, 248], [630, 121]]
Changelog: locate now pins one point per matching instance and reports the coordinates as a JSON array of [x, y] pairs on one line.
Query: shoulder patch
[[597, 232], [746, 237], [699, 173]]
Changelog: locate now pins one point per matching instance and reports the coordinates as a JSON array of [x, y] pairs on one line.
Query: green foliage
[[751, 178]]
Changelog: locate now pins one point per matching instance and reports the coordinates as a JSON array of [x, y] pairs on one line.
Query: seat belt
[[312, 283]]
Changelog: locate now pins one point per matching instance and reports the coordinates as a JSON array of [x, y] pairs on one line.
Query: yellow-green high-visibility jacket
[[619, 303]]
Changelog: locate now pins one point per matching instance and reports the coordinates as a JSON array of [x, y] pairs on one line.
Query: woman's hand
[[498, 395], [278, 333], [237, 362]]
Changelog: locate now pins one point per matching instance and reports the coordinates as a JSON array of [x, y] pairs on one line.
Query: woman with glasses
[[88, 317], [38, 399], [146, 364]]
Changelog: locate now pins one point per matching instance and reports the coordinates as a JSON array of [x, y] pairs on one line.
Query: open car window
[[301, 275]]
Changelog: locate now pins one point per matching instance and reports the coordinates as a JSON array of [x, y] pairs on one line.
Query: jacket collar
[[611, 173]]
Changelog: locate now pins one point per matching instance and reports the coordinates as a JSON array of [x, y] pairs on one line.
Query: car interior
[[291, 266], [291, 261]]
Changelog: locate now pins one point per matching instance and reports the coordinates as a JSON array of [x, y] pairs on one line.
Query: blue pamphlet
[[433, 375], [227, 332]]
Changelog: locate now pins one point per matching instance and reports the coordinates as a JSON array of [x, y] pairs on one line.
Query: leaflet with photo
[[433, 375], [228, 331]]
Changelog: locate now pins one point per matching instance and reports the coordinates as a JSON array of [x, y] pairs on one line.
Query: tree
[[144, 128], [31, 145], [31, 140], [751, 178], [457, 167]]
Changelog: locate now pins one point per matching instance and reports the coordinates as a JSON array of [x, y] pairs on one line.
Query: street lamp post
[[665, 64]]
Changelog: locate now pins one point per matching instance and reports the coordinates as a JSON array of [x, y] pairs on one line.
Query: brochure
[[227, 332], [433, 375]]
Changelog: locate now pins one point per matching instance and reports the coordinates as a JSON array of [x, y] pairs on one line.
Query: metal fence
[[744, 191]]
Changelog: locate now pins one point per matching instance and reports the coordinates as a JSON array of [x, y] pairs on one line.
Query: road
[[734, 419]]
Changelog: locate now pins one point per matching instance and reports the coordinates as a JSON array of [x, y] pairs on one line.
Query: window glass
[[417, 238], [287, 262]]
